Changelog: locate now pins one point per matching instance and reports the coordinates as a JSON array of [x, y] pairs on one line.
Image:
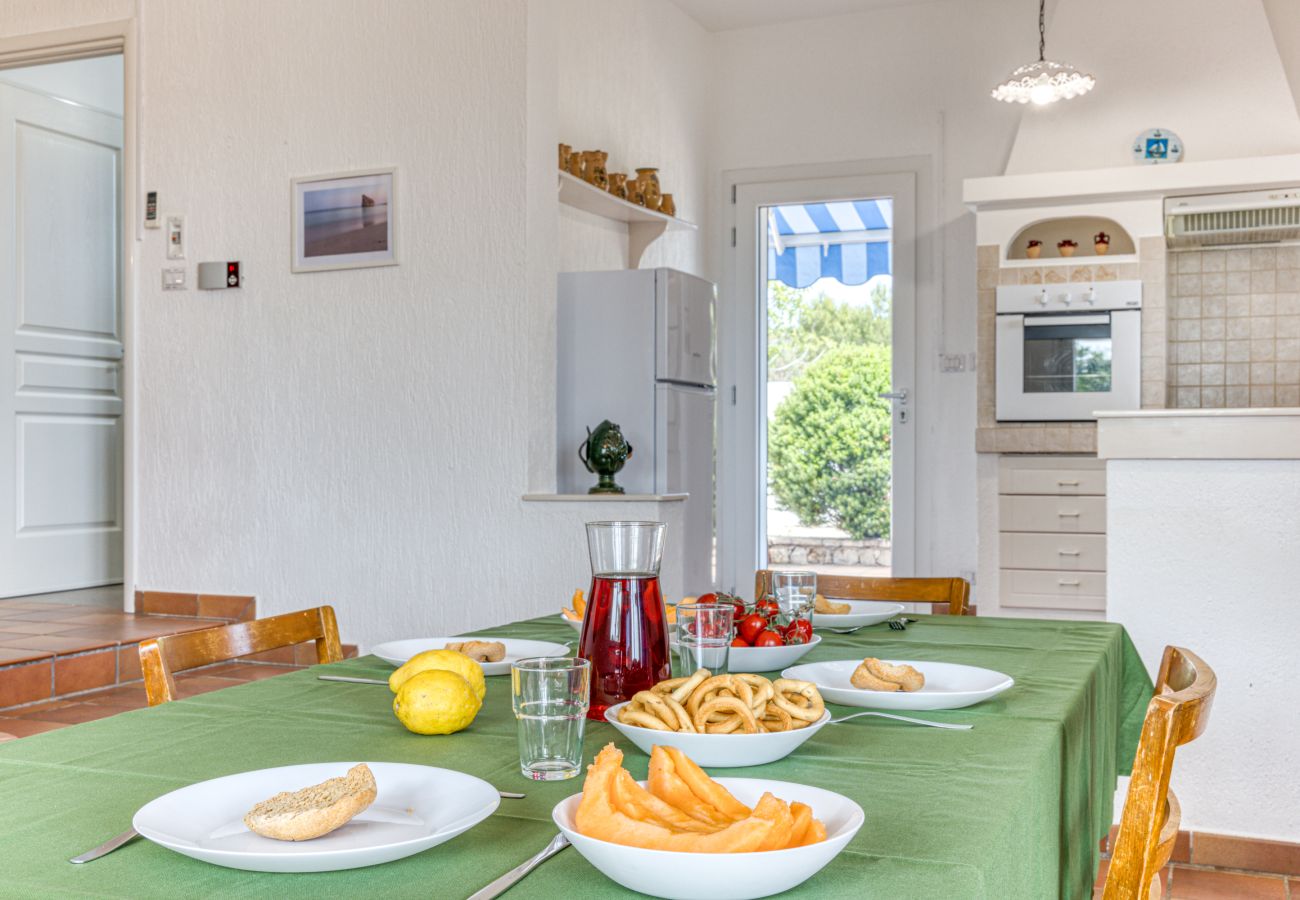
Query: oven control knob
[[1042, 297], [1065, 299], [1090, 296]]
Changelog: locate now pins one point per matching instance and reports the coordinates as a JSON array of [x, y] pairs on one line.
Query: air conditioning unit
[[1222, 220]]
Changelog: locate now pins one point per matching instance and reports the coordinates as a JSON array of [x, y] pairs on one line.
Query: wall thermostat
[[215, 276], [175, 237], [151, 209]]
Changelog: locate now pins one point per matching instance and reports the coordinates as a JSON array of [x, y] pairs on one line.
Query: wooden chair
[[954, 593], [160, 657], [1177, 714]]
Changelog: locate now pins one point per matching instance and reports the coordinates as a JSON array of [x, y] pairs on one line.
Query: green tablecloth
[[1011, 809]]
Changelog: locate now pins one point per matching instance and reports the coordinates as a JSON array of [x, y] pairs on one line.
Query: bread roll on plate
[[314, 811]]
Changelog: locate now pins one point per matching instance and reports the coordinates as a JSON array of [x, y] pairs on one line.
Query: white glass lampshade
[[1043, 82]]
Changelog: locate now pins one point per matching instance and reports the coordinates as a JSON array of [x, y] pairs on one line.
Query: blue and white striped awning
[[848, 241]]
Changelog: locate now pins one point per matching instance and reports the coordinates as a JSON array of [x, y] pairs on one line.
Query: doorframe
[[926, 308], [84, 42]]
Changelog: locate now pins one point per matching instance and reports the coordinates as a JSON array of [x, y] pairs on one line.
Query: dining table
[[1013, 808]]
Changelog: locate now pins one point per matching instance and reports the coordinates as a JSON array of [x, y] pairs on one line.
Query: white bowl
[[762, 659], [722, 876], [720, 751], [575, 624], [861, 613]]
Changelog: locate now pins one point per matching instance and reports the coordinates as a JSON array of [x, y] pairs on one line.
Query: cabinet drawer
[[1066, 552], [1052, 590], [1052, 476], [1083, 515]]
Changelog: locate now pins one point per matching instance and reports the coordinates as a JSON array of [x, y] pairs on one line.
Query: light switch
[[175, 237], [173, 279]]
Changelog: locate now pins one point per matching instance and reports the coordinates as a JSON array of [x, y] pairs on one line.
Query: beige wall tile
[[1263, 281], [1262, 395], [1188, 397], [1212, 374], [1264, 350], [1288, 304], [1236, 373], [1287, 395], [1236, 397], [1214, 329], [1212, 397], [1150, 247], [1263, 258], [1213, 260], [1153, 395], [986, 278], [1288, 257], [1214, 307], [1288, 279], [1287, 373], [1288, 349], [1238, 282], [1128, 271], [1214, 283], [1288, 326], [987, 256], [1238, 259], [1263, 373], [1236, 351], [1031, 275], [1212, 351], [1054, 275]]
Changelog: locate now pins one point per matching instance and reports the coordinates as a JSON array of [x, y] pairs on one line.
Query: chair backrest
[[952, 593], [163, 656], [1177, 714]]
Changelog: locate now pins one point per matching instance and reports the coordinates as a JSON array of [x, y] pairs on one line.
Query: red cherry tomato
[[751, 627], [800, 631], [737, 604], [767, 608], [739, 642], [769, 639], [707, 598]]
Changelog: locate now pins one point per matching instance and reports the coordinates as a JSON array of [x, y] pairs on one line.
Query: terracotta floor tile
[[167, 603], [50, 614], [128, 662], [1210, 884], [225, 606], [122, 695], [32, 710], [194, 685], [85, 671], [24, 727], [76, 713], [249, 671], [17, 626], [1182, 847], [18, 603], [1247, 853], [58, 643], [10, 655], [25, 683], [93, 617]]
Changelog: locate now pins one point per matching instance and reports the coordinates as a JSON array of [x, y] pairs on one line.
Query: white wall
[[1207, 69], [895, 82], [93, 82], [634, 80], [1203, 554]]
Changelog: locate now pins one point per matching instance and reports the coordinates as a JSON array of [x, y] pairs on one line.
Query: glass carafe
[[625, 630]]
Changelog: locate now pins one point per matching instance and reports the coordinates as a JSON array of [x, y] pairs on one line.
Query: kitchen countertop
[[1265, 433]]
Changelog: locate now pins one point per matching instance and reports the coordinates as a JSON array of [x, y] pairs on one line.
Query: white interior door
[[742, 478], [60, 345]]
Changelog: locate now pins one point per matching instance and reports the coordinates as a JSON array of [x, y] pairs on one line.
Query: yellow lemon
[[436, 702], [447, 660]]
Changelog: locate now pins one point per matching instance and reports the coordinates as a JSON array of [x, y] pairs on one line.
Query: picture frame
[[344, 220]]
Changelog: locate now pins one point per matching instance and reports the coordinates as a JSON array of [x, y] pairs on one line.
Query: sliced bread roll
[[314, 811]]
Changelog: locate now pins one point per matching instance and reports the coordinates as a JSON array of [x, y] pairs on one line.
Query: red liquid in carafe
[[625, 636]]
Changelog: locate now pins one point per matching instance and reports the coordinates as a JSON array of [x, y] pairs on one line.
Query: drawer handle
[[1066, 583], [1067, 552], [1069, 515], [1067, 483]]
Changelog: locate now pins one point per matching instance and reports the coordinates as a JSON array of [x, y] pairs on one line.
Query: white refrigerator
[[636, 346]]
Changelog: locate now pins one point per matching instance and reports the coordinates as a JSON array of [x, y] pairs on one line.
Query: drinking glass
[[704, 636], [550, 695], [794, 592], [625, 630]]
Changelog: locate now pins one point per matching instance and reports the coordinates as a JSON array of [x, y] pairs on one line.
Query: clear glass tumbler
[[794, 592], [550, 695], [704, 632]]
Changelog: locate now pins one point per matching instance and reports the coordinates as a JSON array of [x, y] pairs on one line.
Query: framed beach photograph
[[345, 221]]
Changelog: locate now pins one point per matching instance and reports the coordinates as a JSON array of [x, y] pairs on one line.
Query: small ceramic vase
[[1101, 243], [1066, 247], [576, 159], [565, 152], [1033, 249], [667, 205], [594, 170], [618, 184], [647, 180], [634, 194]]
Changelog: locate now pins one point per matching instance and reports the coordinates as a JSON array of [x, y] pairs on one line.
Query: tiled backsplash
[[1234, 327]]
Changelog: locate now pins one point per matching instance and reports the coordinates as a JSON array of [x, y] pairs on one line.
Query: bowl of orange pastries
[[681, 834], [572, 615], [724, 721]]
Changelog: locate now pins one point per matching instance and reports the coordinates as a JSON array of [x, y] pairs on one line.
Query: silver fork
[[909, 720]]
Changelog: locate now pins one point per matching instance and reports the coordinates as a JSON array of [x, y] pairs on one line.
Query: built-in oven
[[1065, 351]]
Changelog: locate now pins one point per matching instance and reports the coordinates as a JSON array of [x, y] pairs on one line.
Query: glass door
[[817, 443]]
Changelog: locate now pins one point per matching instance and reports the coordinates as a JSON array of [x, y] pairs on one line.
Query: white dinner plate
[[861, 613], [719, 751], [762, 659], [416, 807], [723, 876], [947, 685], [396, 653]]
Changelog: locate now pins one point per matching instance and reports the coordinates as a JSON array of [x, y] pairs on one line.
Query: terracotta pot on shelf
[[1033, 249], [647, 181], [634, 194], [1101, 243], [667, 205], [593, 170], [565, 152], [618, 184], [576, 160], [1066, 247]]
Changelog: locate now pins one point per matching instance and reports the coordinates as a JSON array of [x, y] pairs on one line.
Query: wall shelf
[[644, 226]]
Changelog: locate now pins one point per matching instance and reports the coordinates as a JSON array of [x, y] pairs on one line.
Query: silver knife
[[508, 880], [113, 843], [351, 680], [107, 847]]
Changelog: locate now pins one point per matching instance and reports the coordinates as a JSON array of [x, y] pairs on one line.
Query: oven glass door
[[1067, 354]]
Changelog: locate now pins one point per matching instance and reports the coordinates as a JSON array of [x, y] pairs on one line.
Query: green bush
[[828, 446]]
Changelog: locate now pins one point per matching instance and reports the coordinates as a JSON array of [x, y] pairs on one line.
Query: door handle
[[1068, 515], [1067, 552], [1063, 582], [899, 395]]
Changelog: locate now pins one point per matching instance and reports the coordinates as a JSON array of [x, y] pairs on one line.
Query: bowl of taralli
[[681, 834], [723, 721]]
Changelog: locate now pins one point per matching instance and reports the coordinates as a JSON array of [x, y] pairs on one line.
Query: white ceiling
[[724, 15]]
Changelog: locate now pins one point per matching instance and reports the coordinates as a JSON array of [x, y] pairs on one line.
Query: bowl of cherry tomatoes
[[762, 640]]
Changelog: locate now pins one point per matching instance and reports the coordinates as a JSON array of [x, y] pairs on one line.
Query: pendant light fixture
[[1044, 81]]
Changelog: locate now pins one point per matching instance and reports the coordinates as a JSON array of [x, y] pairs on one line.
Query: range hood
[[1218, 220]]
